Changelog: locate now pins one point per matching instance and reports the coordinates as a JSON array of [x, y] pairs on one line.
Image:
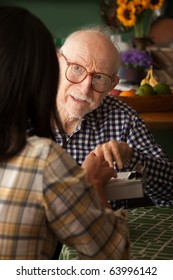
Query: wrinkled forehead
[[93, 51]]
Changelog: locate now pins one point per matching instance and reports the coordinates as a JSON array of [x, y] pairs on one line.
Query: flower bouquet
[[134, 64], [137, 14], [134, 58]]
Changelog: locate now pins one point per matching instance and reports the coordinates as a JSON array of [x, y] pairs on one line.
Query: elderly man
[[92, 120]]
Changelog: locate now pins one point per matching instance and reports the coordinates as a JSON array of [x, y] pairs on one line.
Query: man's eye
[[77, 68], [98, 77]]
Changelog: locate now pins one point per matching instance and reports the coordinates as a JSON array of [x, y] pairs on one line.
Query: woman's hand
[[98, 169], [98, 174]]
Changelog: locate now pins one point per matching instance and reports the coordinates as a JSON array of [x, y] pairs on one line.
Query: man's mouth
[[78, 99], [84, 100]]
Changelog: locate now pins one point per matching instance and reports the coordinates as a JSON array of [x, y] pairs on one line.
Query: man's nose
[[86, 84]]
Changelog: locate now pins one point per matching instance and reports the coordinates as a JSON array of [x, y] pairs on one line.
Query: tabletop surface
[[151, 233]]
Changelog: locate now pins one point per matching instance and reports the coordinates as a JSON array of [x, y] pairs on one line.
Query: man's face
[[77, 99]]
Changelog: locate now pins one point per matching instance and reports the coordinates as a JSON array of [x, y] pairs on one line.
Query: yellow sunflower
[[120, 2], [126, 14], [155, 4], [141, 5]]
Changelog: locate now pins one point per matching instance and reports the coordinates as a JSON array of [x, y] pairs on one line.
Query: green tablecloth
[[151, 234]]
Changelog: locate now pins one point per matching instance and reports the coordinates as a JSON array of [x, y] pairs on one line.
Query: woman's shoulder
[[36, 142], [42, 146]]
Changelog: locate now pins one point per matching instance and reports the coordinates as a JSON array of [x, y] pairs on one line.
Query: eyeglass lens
[[76, 73]]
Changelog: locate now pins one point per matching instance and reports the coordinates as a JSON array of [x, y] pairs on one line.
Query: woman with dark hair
[[45, 197]]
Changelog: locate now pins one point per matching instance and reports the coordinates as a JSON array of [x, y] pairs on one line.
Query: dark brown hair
[[28, 79]]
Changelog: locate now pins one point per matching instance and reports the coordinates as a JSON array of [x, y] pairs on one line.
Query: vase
[[117, 41], [141, 43], [132, 75]]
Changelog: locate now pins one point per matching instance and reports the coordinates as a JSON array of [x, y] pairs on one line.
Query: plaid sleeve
[[96, 233]]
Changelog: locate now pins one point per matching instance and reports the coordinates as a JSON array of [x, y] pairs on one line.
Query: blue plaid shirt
[[113, 119]]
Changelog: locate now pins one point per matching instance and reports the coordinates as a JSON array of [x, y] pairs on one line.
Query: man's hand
[[114, 151]]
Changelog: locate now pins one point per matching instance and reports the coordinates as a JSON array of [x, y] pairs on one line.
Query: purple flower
[[136, 58]]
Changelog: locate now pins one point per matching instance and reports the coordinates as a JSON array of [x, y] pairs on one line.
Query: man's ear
[[115, 82]]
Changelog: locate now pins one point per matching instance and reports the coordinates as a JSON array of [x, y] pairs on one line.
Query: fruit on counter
[[149, 79], [145, 90], [129, 92], [152, 80], [146, 79], [115, 92], [162, 89]]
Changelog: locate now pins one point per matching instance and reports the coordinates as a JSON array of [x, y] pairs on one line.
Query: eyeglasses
[[76, 73]]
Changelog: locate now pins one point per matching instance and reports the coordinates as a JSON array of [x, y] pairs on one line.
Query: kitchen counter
[[156, 111], [158, 120]]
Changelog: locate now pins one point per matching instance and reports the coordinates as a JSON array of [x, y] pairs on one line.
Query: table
[[151, 234]]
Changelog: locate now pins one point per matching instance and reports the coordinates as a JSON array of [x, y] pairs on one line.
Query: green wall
[[165, 139], [64, 16]]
